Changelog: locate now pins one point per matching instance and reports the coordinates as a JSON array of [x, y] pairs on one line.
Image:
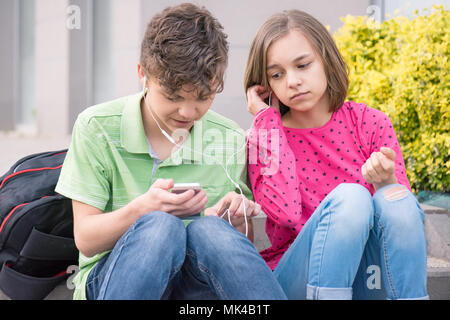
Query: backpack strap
[[19, 286], [43, 246], [38, 246]]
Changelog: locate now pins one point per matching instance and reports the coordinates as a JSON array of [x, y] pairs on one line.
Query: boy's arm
[[95, 231], [85, 178]]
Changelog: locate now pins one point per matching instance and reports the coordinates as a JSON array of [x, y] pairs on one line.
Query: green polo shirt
[[109, 162]]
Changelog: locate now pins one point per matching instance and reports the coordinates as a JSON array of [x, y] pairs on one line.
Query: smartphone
[[182, 187]]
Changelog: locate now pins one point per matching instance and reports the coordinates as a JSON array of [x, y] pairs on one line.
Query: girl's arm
[[272, 169], [379, 133]]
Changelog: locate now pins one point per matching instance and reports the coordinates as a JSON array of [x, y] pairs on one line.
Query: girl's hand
[[379, 169], [233, 202], [159, 198], [256, 96]]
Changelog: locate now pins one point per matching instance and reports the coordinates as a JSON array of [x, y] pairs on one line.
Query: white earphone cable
[[225, 168]]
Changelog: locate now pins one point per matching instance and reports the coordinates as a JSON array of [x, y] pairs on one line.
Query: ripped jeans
[[355, 246]]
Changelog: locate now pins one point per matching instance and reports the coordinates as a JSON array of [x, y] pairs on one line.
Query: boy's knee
[[162, 224], [159, 217], [210, 232], [206, 227]]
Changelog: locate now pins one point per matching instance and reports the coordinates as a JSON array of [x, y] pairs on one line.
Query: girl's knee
[[354, 204], [392, 193], [353, 191], [401, 218], [396, 205]]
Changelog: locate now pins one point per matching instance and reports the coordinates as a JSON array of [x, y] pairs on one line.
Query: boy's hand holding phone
[[160, 198], [256, 96]]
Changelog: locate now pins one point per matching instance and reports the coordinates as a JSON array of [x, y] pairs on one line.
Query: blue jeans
[[159, 258], [358, 246]]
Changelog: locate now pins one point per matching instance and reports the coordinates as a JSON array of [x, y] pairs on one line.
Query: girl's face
[[178, 111], [296, 73]]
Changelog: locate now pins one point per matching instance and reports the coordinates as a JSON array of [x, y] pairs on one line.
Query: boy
[[126, 156]]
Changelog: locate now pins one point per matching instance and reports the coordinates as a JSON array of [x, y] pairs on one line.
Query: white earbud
[[164, 132], [143, 84]]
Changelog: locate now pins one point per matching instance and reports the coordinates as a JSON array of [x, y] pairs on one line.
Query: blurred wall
[[86, 52]]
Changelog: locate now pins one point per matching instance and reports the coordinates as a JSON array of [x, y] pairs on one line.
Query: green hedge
[[402, 67]]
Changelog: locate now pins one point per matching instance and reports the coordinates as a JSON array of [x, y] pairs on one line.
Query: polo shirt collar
[[132, 133], [134, 140]]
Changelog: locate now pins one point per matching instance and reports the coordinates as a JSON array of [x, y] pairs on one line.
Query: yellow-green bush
[[401, 67]]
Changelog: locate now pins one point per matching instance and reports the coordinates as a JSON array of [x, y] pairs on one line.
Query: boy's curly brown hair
[[185, 45]]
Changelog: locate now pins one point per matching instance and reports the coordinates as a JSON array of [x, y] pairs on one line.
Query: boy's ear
[[141, 73]]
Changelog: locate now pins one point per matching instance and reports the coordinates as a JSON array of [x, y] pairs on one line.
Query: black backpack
[[36, 228]]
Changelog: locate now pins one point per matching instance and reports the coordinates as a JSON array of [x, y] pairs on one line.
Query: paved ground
[[15, 146]]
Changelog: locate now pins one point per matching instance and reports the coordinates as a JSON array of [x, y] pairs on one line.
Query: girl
[[340, 215]]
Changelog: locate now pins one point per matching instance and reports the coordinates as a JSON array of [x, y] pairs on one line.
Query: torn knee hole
[[395, 193]]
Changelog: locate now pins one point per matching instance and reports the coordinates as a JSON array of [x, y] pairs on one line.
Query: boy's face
[[177, 111]]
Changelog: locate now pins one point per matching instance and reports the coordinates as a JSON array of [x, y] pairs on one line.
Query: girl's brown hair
[[320, 39], [185, 45]]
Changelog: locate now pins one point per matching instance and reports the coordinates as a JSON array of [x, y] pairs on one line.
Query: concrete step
[[437, 230]]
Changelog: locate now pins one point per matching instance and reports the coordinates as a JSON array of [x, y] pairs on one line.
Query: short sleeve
[[84, 175]]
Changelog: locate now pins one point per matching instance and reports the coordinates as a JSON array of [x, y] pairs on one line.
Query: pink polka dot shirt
[[292, 170]]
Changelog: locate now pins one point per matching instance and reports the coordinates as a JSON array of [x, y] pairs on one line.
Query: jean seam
[[213, 279], [193, 256], [386, 260], [105, 283], [328, 214], [173, 273], [89, 281]]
